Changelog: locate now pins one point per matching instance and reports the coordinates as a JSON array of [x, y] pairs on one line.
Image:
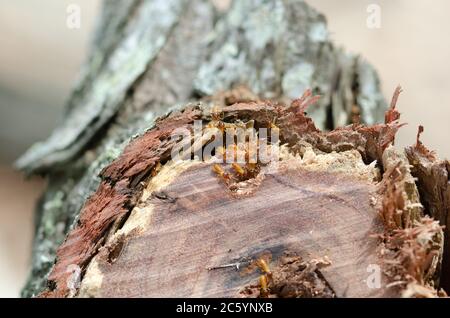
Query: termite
[[216, 113], [263, 266], [238, 169], [232, 150], [220, 172], [216, 124], [216, 119], [265, 278], [271, 124], [221, 151], [263, 286]]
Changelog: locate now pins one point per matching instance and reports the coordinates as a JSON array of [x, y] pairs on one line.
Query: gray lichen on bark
[[150, 56], [141, 40], [282, 48], [75, 176]]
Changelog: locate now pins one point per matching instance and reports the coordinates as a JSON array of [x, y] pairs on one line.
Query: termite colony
[[290, 276], [243, 153], [248, 154]]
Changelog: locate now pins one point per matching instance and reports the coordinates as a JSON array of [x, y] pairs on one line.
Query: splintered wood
[[335, 214]]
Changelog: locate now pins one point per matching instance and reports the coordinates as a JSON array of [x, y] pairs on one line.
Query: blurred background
[[40, 57]]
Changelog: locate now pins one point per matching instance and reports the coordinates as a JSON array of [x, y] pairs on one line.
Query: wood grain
[[313, 214]]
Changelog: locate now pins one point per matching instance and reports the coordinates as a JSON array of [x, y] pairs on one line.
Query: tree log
[[112, 203], [321, 214]]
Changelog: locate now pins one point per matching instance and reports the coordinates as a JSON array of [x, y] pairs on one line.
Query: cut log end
[[334, 214], [204, 226]]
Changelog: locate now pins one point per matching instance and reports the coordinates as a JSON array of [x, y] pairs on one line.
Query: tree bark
[[150, 57]]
